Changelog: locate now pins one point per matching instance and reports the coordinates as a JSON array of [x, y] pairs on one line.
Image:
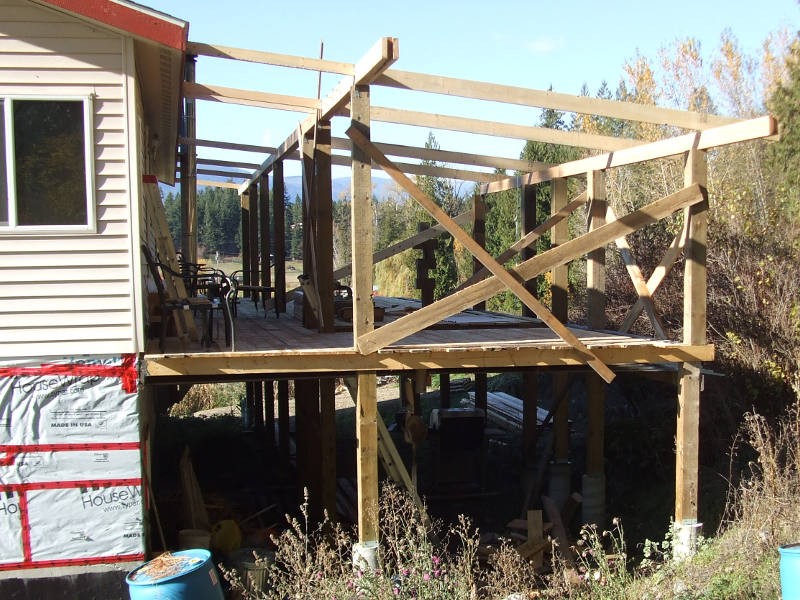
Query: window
[[46, 165]]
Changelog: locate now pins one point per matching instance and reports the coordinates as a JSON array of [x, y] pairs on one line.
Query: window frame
[[12, 226]]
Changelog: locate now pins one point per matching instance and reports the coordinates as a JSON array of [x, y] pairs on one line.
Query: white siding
[[70, 294]]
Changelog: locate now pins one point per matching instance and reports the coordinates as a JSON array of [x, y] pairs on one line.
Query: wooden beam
[[506, 130], [219, 184], [283, 422], [226, 145], [265, 237], [220, 173], [447, 172], [639, 284], [367, 457], [218, 93], [530, 378], [694, 331], [269, 58], [547, 99], [361, 218], [342, 360], [554, 257], [596, 259], [703, 140], [659, 274], [245, 201], [279, 225], [253, 265], [188, 175], [377, 59], [530, 237], [226, 163], [404, 245], [449, 156], [506, 277]]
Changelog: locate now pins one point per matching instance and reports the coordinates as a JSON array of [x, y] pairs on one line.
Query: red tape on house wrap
[[126, 371]]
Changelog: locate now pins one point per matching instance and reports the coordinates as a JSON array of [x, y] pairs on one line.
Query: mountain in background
[[340, 186]]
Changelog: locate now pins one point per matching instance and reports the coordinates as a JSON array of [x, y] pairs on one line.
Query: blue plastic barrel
[[188, 575], [790, 571]]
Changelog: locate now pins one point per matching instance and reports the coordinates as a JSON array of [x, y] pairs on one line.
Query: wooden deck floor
[[265, 345]]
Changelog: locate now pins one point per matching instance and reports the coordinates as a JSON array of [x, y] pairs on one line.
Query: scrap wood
[[564, 547], [195, 509], [533, 547], [571, 507]]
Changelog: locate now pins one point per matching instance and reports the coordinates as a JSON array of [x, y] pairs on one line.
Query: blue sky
[[530, 44]]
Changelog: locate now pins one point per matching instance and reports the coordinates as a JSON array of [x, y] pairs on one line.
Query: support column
[[560, 468], [283, 423], [279, 225], [690, 384], [244, 239], [529, 377], [479, 235], [307, 440], [269, 413], [363, 322], [189, 173], [309, 227], [593, 481], [253, 231], [257, 418], [265, 239], [323, 207]]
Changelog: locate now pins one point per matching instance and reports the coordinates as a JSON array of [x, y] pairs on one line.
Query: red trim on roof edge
[[128, 19]]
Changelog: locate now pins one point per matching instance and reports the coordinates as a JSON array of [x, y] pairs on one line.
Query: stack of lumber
[[505, 411]]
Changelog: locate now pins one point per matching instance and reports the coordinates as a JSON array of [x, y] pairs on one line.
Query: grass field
[[229, 265]]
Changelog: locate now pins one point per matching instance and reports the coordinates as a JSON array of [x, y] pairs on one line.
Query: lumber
[[434, 171], [562, 254], [269, 58], [220, 173], [367, 457], [659, 274], [405, 244], [210, 365], [547, 99], [639, 283], [448, 156], [497, 129], [507, 278], [377, 59], [743, 131], [535, 528], [596, 259], [279, 227], [530, 237], [226, 163], [559, 531], [227, 145], [218, 93]]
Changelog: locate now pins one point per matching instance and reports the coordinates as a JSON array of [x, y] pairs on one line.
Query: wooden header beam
[[478, 90], [344, 360], [227, 145], [415, 169], [742, 131], [449, 156], [218, 93], [374, 62], [566, 102], [269, 58]]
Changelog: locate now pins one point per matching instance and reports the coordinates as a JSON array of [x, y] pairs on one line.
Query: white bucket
[[194, 538]]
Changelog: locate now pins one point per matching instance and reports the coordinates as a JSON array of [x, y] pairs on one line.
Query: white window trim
[[12, 227]]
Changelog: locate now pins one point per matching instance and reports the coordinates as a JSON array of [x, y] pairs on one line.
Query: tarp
[[70, 465]]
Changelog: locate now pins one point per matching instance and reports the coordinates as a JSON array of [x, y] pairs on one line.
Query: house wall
[[72, 294]]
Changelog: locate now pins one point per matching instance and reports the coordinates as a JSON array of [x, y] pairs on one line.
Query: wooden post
[[559, 288], [249, 405], [257, 418], [283, 423], [444, 390], [264, 233], [309, 228], [189, 174], [529, 377], [245, 237], [279, 224], [323, 208], [479, 235], [593, 507], [309, 448], [694, 332], [363, 319], [253, 231], [269, 413], [424, 283]]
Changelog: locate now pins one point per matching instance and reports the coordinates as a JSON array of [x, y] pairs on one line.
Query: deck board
[[265, 344]]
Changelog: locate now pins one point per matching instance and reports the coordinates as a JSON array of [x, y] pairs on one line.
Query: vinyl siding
[[69, 294]]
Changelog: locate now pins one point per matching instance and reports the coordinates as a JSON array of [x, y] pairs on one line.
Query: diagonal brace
[[509, 279]]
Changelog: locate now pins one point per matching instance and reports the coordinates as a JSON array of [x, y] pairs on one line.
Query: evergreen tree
[[785, 105], [172, 208]]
